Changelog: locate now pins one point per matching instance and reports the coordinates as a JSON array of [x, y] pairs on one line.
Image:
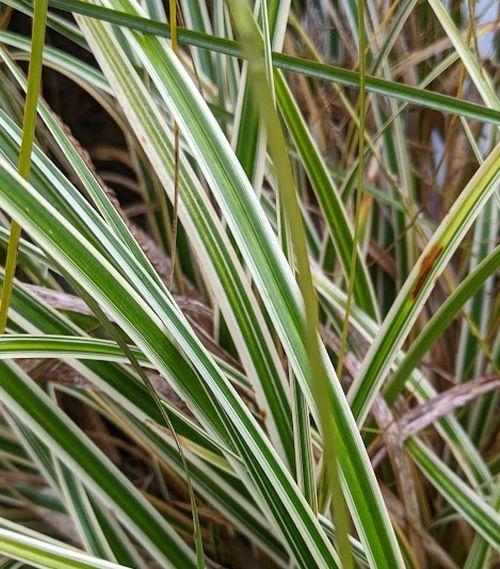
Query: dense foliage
[[249, 313]]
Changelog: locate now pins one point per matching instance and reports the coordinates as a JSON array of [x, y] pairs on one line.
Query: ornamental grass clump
[[248, 300]]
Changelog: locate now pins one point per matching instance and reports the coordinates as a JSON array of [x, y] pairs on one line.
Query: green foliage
[[169, 395]]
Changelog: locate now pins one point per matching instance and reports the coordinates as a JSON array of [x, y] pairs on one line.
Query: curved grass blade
[[226, 275], [420, 283], [418, 385], [47, 346], [475, 510], [56, 22], [214, 402], [29, 404], [439, 321], [41, 553], [478, 75], [214, 486], [60, 60], [78, 503], [261, 252], [92, 530], [325, 72]]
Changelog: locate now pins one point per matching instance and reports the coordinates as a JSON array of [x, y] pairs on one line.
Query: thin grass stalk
[[198, 540], [318, 378], [163, 410], [29, 126], [304, 459], [175, 213], [359, 193]]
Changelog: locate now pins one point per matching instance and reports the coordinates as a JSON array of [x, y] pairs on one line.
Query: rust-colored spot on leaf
[[426, 267]]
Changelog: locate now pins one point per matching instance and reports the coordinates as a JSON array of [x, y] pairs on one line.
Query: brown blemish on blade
[[426, 267]]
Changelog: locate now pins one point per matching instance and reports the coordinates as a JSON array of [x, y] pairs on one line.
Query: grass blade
[[325, 72], [40, 553], [29, 125], [420, 283]]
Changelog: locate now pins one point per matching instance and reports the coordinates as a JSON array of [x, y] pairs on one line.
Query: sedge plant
[[250, 262]]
